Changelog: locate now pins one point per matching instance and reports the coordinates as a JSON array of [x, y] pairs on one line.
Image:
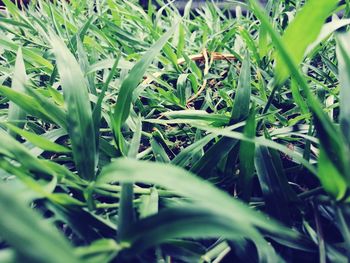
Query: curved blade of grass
[[149, 204], [246, 158], [15, 113], [79, 115], [327, 30], [20, 226], [56, 113], [122, 108], [183, 222], [34, 106], [344, 119], [16, 151], [126, 215], [28, 54], [343, 55], [186, 184], [239, 112], [330, 177], [97, 111], [38, 140], [330, 139], [277, 193], [303, 31], [260, 141]]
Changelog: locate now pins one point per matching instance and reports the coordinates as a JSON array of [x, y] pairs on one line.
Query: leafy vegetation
[[207, 135]]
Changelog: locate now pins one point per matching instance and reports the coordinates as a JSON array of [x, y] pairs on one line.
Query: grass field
[[132, 135]]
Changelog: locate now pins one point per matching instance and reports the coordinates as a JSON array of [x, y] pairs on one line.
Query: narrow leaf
[[79, 114]]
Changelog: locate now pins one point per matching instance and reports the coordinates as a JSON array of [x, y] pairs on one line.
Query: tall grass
[[132, 135]]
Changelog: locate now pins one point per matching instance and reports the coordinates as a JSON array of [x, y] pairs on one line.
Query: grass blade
[[303, 31], [20, 224], [79, 114], [122, 108], [16, 114]]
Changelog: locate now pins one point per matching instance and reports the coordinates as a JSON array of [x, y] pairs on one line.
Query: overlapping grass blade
[[239, 112], [181, 222], [38, 140], [122, 107], [79, 114], [188, 185], [343, 55], [35, 106], [246, 158], [331, 142], [19, 79], [303, 31], [19, 224], [274, 185]]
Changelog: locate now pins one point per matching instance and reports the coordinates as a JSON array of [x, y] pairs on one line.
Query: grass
[[132, 135]]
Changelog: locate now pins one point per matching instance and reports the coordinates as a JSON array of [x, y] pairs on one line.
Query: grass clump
[[163, 136]]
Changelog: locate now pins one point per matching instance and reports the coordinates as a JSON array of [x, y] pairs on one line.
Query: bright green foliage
[[132, 134], [304, 30]]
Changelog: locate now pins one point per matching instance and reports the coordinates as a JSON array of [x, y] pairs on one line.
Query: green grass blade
[[332, 180], [327, 132], [188, 185], [16, 151], [79, 114], [303, 31], [38, 140], [240, 108], [343, 55], [19, 224], [246, 158], [326, 31], [15, 113], [35, 106], [122, 108], [181, 222], [274, 185], [239, 112]]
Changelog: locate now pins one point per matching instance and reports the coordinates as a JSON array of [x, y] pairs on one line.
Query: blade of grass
[[303, 31], [122, 108], [15, 113], [38, 140], [19, 224], [79, 114]]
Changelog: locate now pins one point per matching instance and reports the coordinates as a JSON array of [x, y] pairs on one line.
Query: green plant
[[154, 136]]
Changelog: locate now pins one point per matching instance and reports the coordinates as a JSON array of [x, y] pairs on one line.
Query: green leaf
[[38, 140], [122, 108], [277, 193], [303, 31], [326, 31], [16, 114], [79, 115], [331, 179], [246, 158], [240, 111], [329, 135], [149, 204], [180, 222], [241, 102], [35, 106], [186, 184], [19, 225], [16, 151], [343, 55]]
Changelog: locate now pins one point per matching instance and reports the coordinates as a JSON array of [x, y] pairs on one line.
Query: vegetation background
[[133, 135]]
